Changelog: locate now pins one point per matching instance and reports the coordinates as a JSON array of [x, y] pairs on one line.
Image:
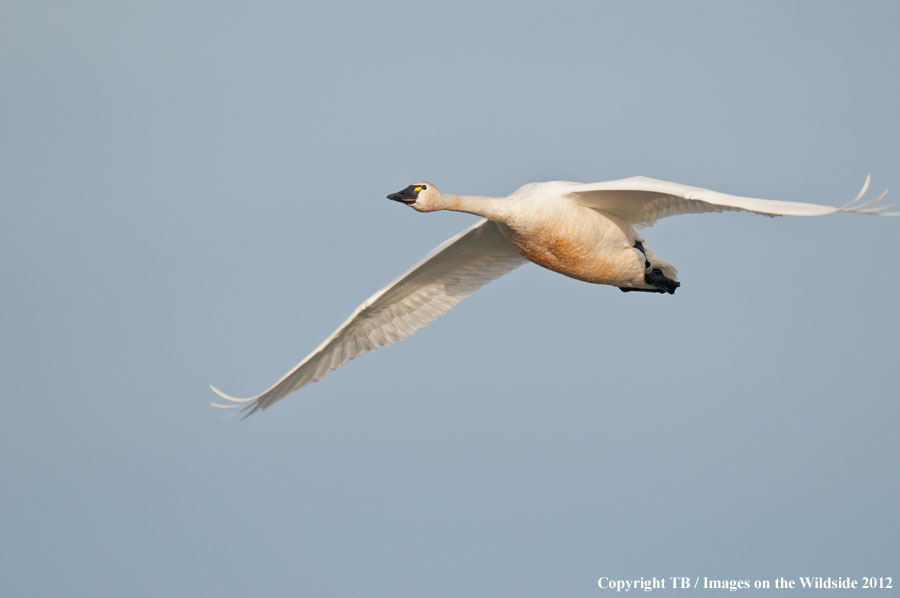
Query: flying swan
[[586, 231]]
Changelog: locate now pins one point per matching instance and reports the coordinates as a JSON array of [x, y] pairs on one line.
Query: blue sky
[[194, 193]]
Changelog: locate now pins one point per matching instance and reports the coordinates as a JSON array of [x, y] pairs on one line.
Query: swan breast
[[577, 242]]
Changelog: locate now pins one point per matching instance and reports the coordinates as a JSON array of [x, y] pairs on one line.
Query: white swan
[[585, 231]]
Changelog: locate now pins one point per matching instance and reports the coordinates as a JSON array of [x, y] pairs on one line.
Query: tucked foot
[[656, 278], [640, 247]]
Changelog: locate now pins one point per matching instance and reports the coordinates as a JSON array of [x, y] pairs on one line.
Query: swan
[[585, 231]]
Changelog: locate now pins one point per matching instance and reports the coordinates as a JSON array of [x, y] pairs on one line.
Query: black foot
[[654, 277], [659, 280], [640, 247]]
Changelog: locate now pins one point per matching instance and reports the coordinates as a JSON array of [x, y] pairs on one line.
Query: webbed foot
[[661, 282]]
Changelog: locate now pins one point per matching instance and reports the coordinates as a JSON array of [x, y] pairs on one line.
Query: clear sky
[[194, 193]]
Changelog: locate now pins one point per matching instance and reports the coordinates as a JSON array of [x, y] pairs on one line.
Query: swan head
[[422, 197]]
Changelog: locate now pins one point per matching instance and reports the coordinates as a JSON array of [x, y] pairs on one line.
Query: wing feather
[[448, 274], [642, 201]]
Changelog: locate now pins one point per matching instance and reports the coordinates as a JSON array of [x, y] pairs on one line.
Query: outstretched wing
[[642, 201], [448, 274]]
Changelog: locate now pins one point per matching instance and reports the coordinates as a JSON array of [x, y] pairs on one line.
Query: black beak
[[407, 195]]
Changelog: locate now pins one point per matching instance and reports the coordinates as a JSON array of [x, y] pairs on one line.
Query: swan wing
[[642, 201], [448, 274]]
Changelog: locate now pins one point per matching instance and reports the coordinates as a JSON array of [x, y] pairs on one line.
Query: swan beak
[[407, 195]]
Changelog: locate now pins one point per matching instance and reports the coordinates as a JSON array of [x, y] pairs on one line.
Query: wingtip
[[865, 186], [229, 397], [863, 208], [881, 210], [234, 403], [861, 192], [218, 392]]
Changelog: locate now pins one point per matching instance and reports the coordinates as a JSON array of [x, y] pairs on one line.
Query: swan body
[[585, 231], [573, 239]]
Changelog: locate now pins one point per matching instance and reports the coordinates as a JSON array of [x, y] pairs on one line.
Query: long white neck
[[492, 208]]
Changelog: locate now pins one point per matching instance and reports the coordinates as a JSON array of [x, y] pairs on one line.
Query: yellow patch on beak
[[417, 189]]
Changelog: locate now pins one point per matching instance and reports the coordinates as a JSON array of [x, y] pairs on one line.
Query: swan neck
[[492, 208]]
